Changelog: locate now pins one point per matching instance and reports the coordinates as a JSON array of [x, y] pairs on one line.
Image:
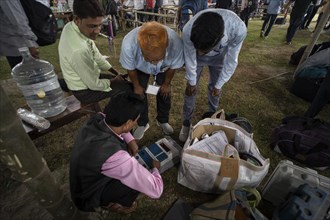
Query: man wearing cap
[[152, 50], [212, 38]]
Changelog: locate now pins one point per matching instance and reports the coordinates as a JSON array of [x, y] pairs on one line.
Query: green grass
[[264, 103]]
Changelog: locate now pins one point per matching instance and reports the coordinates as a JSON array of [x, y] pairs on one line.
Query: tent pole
[[315, 36]]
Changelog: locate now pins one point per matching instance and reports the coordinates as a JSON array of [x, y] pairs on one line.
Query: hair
[[122, 108], [207, 31], [87, 8], [152, 37]]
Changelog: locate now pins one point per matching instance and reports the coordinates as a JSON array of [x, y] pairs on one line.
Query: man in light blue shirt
[[152, 50], [213, 38], [273, 9]]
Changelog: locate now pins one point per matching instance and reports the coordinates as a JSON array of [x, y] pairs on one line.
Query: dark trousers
[[87, 96], [163, 104], [321, 99], [117, 192], [13, 61], [269, 20], [245, 15], [293, 27], [306, 18], [311, 16]]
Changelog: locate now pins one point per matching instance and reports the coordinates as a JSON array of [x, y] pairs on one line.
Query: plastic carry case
[[291, 182]]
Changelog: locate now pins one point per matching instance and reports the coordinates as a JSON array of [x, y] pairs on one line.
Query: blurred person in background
[[15, 32]]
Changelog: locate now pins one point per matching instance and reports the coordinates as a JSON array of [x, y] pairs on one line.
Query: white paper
[[153, 90]]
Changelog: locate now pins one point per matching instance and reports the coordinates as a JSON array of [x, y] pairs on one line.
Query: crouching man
[[103, 170]]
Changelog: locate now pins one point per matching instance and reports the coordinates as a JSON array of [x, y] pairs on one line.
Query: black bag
[[42, 21], [306, 140], [296, 56], [306, 88], [111, 8]]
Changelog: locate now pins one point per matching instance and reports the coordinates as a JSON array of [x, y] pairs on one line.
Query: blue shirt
[[230, 46], [131, 57], [274, 7]]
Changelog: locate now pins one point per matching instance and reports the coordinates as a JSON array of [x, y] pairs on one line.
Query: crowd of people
[[103, 170]]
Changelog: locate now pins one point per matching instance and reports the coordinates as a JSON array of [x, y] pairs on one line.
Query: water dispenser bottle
[[39, 85]]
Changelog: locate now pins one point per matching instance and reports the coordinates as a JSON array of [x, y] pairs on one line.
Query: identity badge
[[152, 89]]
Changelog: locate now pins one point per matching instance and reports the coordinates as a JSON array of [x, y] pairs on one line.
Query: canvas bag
[[214, 173]]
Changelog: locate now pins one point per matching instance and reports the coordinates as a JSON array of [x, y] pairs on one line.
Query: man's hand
[[216, 92], [165, 90], [156, 164], [133, 148], [190, 90], [117, 78], [34, 51], [139, 90]]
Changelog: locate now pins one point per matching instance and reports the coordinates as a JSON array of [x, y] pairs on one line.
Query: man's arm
[[231, 59], [127, 169], [165, 88], [84, 66], [133, 75]]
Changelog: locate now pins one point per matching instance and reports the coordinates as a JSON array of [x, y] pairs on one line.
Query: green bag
[[232, 205]]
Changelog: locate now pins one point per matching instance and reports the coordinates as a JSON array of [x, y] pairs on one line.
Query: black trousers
[[87, 96], [163, 104], [321, 99], [117, 192]]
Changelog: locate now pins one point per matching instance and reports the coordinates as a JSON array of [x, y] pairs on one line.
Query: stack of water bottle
[[40, 87]]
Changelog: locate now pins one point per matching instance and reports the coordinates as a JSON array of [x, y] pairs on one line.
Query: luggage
[[220, 155], [306, 140], [284, 183]]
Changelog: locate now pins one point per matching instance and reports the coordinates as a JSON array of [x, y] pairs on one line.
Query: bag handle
[[226, 150], [219, 114]]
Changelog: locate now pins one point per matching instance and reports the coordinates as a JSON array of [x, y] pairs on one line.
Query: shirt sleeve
[[127, 169], [83, 65], [190, 58], [127, 59], [100, 60], [17, 17], [128, 137], [231, 58]]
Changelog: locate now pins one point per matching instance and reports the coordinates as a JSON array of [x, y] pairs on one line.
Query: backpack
[[41, 20], [112, 8], [306, 140], [296, 56]]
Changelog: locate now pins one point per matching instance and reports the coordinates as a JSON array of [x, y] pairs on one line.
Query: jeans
[[293, 27], [163, 104], [270, 20], [215, 65]]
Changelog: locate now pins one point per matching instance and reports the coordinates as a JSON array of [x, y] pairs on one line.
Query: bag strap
[[219, 114]]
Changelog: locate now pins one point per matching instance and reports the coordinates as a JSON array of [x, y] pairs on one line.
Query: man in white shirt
[[213, 38]]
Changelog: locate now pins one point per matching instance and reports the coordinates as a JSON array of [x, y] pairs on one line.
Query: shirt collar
[[76, 29]]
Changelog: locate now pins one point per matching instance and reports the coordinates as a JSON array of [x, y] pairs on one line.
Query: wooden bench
[[74, 111]]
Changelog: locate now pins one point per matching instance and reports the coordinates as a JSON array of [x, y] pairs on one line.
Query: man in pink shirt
[[103, 169]]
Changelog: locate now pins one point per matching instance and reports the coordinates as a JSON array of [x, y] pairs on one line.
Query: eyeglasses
[[154, 61]]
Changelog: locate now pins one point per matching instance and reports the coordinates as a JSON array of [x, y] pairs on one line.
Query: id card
[[152, 89]]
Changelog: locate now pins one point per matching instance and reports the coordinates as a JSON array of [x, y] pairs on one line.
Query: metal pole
[[19, 154], [315, 37]]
